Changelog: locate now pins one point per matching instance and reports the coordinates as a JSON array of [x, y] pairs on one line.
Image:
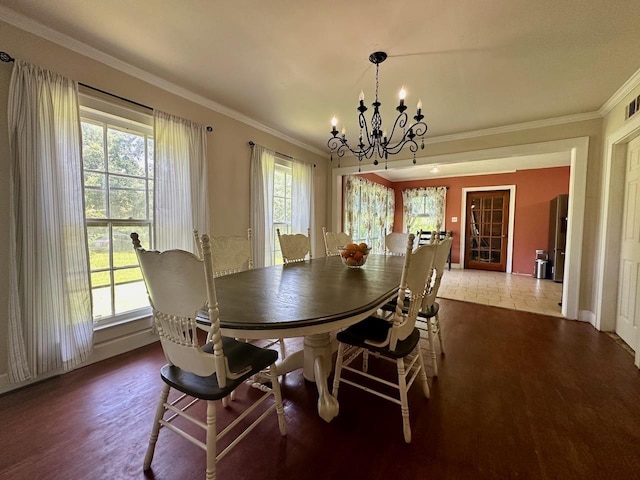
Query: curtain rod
[[252, 144], [5, 57]]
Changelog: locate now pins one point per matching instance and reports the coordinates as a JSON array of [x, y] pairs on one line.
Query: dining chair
[[333, 241], [395, 341], [233, 254], [295, 247], [428, 317], [425, 236], [178, 284], [395, 243]]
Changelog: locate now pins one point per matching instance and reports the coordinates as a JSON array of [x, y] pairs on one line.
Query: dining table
[[309, 299]]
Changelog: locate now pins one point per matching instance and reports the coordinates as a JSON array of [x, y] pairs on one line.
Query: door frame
[[608, 267], [512, 209], [577, 148]]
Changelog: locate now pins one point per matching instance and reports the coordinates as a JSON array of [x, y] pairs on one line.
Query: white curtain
[[428, 203], [368, 211], [263, 164], [301, 196], [50, 324], [181, 195]]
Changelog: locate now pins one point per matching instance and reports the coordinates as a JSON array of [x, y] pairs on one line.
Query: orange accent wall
[[534, 191]]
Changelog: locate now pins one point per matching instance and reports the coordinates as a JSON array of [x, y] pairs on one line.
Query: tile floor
[[517, 292]]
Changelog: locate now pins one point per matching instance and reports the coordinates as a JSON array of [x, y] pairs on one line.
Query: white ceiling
[[291, 65]]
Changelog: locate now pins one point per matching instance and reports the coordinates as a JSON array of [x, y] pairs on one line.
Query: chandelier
[[373, 141]]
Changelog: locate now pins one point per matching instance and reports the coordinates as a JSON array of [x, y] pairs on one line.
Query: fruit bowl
[[354, 255]]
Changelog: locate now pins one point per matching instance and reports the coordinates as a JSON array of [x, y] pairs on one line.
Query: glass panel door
[[487, 227]]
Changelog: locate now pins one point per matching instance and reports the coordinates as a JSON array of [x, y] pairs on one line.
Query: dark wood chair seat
[[241, 356]]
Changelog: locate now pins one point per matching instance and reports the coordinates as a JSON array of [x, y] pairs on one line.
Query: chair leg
[[404, 403], [283, 350], [211, 440], [423, 373], [432, 347], [275, 387], [439, 330], [164, 394], [336, 375]]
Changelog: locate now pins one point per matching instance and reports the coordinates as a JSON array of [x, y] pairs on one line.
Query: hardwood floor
[[519, 396]]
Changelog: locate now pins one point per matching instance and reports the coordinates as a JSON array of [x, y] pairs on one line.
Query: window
[[424, 209], [282, 213], [118, 191]]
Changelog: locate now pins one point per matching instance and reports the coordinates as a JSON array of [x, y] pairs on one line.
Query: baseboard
[[587, 316], [101, 351]]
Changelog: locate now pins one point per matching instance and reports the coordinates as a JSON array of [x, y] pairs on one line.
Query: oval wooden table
[[308, 299]]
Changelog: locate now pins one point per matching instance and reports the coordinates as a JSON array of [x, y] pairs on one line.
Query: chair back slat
[[435, 276]]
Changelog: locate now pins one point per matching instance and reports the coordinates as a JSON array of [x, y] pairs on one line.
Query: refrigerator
[[558, 236]]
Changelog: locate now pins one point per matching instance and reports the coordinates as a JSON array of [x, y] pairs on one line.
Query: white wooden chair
[[428, 318], [395, 341], [396, 243], [233, 254], [178, 284], [333, 241], [295, 247]]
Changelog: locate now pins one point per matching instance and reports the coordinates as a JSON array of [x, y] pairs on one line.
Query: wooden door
[[487, 227], [628, 307]]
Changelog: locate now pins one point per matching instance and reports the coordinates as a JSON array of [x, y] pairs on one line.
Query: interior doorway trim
[[463, 220], [577, 148], [611, 227]]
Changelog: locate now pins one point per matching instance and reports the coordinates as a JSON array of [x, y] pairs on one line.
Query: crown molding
[[626, 88], [549, 122], [20, 21]]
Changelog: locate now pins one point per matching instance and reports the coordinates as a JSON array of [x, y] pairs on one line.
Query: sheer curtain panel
[[263, 164], [50, 324], [181, 197]]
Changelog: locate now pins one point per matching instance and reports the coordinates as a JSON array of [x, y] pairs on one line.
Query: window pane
[[95, 195], [130, 291], [150, 157], [126, 153], [101, 302], [279, 186], [123, 253], [127, 198], [93, 146], [99, 243], [279, 213]]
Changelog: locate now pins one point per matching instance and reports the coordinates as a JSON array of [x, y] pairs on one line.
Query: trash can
[[540, 268]]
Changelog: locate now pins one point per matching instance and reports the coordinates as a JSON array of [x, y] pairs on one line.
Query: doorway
[[628, 307], [487, 230]]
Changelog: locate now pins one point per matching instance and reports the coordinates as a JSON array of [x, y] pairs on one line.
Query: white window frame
[[94, 110]]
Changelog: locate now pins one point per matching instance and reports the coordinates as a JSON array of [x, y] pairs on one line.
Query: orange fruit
[[351, 246], [363, 247], [352, 261], [358, 256]]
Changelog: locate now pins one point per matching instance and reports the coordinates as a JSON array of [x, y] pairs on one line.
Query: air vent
[[633, 107]]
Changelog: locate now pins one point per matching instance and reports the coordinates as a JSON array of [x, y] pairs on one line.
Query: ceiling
[[292, 65]]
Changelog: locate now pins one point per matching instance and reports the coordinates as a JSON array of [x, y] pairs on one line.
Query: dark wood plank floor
[[519, 396]]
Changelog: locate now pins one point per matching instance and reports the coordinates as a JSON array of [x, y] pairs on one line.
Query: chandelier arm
[[401, 121]]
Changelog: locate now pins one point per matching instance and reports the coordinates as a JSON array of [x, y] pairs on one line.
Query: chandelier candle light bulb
[[373, 140]]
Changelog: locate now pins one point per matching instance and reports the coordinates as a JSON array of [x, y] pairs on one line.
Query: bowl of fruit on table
[[354, 255]]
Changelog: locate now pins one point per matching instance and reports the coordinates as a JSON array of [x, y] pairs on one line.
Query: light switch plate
[[454, 219]]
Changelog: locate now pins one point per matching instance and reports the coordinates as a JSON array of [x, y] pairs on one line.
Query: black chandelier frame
[[377, 144]]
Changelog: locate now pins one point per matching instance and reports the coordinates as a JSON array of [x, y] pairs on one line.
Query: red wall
[[534, 191]]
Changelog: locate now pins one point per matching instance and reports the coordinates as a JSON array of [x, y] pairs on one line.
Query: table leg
[[317, 366]]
